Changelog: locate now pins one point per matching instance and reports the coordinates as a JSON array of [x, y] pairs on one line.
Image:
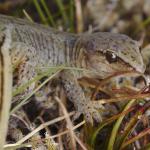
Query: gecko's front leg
[[24, 66], [75, 94]]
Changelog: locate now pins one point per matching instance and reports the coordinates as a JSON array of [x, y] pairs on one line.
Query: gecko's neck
[[64, 49]]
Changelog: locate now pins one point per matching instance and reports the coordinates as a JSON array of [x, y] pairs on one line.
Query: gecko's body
[[33, 45]]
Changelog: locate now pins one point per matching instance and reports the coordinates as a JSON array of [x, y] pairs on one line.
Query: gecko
[[102, 53]]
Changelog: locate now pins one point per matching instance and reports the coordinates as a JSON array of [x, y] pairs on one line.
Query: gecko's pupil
[[111, 57]]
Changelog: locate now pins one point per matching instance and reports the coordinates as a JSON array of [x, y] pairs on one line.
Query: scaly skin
[[102, 53]]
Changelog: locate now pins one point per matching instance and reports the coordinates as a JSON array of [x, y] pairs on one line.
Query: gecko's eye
[[111, 57]]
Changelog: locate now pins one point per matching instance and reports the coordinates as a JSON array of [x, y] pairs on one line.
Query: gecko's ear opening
[[88, 47], [88, 44]]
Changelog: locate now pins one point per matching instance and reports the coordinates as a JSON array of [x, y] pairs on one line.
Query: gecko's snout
[[141, 68]]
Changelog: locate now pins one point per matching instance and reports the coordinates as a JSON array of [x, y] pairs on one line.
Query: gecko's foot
[[91, 112]]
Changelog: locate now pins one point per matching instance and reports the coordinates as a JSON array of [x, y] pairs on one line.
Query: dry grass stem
[[79, 18], [5, 88], [123, 98], [69, 123], [42, 126]]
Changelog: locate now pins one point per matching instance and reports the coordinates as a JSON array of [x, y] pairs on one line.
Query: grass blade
[[48, 13], [40, 12], [116, 127], [62, 10]]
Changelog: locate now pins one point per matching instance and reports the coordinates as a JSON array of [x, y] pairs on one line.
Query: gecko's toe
[[97, 116], [77, 115], [97, 105], [89, 118], [91, 112]]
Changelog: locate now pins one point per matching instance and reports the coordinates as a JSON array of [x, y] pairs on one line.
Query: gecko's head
[[107, 53]]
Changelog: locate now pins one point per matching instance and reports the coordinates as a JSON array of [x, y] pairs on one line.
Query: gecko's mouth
[[139, 68], [121, 67], [129, 68]]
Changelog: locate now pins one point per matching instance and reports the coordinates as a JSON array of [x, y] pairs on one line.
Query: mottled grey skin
[[34, 45]]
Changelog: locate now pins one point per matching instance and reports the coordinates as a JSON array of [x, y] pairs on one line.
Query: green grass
[[65, 13]]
